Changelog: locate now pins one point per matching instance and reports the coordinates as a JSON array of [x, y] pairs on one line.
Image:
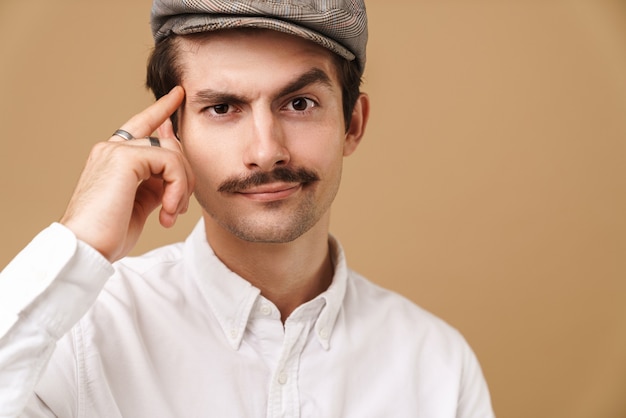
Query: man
[[256, 314]]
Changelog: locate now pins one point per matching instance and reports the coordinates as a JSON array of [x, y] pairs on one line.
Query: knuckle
[[109, 152], [99, 147]]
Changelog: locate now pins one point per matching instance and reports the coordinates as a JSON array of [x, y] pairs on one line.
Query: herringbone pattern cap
[[339, 25]]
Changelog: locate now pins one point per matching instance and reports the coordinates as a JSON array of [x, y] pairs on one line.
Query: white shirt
[[175, 333]]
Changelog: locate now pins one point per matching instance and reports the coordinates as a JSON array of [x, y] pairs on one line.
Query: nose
[[265, 147]]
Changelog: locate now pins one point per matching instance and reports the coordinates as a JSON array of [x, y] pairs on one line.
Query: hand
[[124, 181]]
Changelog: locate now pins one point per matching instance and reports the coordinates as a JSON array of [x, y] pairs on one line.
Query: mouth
[[271, 192]]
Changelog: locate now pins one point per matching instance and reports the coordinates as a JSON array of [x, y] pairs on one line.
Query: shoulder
[[143, 281], [420, 351], [396, 315], [367, 293], [156, 259]]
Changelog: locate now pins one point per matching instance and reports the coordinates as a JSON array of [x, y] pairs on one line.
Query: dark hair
[[165, 73]]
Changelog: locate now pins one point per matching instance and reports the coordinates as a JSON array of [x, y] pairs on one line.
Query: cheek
[[208, 162], [210, 156], [323, 155], [315, 142]]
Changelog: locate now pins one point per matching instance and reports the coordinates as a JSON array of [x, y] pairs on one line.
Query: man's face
[[263, 129]]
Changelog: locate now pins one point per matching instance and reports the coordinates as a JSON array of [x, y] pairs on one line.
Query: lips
[[271, 192]]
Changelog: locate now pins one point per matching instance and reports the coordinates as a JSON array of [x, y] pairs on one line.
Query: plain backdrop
[[490, 187]]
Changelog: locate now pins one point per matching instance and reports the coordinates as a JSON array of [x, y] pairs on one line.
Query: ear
[[360, 115]]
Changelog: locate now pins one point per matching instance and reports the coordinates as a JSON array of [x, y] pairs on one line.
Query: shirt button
[[266, 309], [282, 378], [233, 334], [324, 334]]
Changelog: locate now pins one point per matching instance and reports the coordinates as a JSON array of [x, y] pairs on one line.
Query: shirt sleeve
[[474, 398], [44, 291]]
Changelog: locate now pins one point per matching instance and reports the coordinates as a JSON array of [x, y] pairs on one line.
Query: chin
[[276, 223], [276, 229], [265, 235]]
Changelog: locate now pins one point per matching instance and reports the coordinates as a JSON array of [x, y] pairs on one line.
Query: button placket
[[284, 398], [265, 309], [282, 377]]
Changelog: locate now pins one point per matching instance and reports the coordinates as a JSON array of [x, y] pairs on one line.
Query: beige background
[[490, 188]]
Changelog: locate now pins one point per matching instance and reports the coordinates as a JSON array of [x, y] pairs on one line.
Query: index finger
[[145, 123]]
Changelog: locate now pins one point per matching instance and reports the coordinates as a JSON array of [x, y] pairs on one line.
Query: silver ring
[[123, 134], [154, 142]]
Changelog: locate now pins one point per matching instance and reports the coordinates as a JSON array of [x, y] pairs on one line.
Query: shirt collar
[[229, 296], [232, 298], [333, 296]]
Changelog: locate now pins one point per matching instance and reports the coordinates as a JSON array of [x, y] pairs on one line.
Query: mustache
[[288, 175]]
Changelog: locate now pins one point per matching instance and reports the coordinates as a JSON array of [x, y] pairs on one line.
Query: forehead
[[250, 50]]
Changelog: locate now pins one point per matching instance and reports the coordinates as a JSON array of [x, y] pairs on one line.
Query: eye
[[301, 104], [220, 109]]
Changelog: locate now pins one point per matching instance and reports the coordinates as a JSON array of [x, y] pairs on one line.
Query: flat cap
[[338, 25]]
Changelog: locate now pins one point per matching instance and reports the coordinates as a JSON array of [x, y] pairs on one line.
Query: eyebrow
[[313, 76]]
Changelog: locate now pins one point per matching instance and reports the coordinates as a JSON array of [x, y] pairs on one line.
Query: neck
[[288, 274]]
